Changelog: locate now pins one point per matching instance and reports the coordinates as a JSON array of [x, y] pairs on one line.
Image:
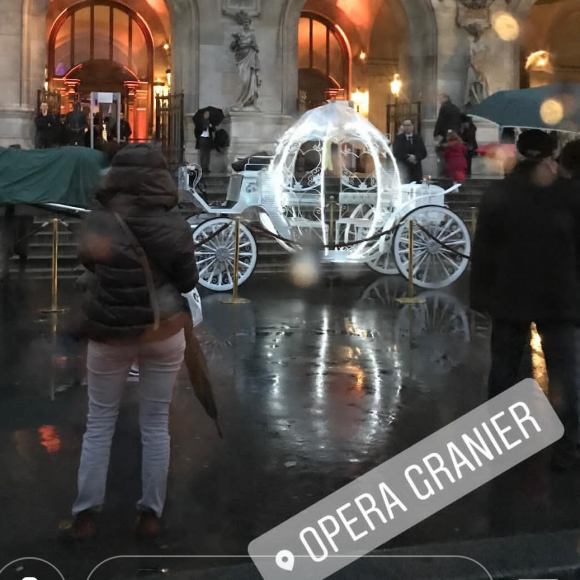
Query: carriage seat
[[234, 187], [358, 197]]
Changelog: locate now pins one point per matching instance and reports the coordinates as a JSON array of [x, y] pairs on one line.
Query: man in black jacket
[[409, 150], [126, 130], [524, 270], [205, 142], [449, 119], [76, 125], [46, 126]]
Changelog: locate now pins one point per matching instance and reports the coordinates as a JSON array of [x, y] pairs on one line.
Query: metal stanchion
[[235, 299], [54, 309], [410, 298], [331, 237], [473, 221]]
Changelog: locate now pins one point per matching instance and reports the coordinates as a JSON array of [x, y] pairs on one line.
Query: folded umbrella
[[551, 107], [216, 116], [199, 374]]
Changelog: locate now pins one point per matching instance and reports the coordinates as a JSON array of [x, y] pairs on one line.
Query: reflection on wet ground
[[315, 387]]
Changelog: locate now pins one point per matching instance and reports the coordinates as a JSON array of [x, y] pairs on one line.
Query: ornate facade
[[266, 61]]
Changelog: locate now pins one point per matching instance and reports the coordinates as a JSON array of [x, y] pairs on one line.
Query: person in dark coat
[[61, 137], [524, 262], [76, 125], [46, 127], [205, 136], [409, 150], [132, 316], [469, 137], [449, 119], [126, 130]]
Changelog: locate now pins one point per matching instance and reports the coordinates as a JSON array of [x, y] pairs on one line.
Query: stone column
[[15, 112]]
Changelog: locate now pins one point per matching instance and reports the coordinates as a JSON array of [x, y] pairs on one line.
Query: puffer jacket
[[141, 190]]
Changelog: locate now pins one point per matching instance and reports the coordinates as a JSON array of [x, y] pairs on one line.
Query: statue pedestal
[[16, 127], [251, 131]]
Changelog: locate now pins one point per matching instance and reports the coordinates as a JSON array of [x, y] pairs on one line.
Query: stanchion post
[[54, 309], [473, 221], [410, 298], [332, 240], [235, 298]]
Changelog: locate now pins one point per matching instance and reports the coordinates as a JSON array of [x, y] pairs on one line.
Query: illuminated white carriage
[[333, 183]]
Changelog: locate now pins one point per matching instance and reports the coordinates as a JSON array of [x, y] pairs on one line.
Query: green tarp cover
[[69, 175]]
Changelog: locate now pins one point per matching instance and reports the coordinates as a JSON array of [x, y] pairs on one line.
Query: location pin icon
[[285, 560]]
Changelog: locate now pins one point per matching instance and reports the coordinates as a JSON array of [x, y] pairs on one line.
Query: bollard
[[410, 298], [54, 309], [473, 222], [235, 299]]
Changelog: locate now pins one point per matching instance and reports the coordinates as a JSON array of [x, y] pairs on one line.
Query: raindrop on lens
[[552, 111], [506, 26]]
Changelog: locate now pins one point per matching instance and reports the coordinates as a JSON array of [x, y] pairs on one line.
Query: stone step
[[272, 257]]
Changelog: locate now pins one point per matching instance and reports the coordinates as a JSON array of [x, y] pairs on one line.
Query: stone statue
[[245, 48], [477, 87]]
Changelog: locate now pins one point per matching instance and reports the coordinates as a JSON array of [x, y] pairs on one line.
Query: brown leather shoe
[[148, 525], [80, 529]]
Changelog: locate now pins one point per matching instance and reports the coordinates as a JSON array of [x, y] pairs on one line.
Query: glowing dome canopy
[[335, 180]]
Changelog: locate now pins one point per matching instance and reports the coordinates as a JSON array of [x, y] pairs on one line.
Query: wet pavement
[[315, 387]]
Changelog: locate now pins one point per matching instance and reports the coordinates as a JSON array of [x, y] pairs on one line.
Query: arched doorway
[[324, 61], [385, 37], [104, 46]]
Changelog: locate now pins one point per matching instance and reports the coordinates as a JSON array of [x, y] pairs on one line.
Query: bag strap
[[138, 249]]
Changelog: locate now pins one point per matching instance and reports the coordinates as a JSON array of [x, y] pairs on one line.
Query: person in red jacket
[[455, 154]]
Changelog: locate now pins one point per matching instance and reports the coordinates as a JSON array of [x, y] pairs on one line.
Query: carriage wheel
[[215, 259], [383, 264], [439, 329], [434, 265]]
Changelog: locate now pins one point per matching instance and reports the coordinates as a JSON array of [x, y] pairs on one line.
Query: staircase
[[271, 256]]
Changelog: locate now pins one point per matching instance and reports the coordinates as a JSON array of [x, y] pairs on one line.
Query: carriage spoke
[[453, 243], [202, 273], [417, 265], [449, 236], [443, 230]]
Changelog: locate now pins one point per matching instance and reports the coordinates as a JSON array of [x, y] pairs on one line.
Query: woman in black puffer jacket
[[129, 316]]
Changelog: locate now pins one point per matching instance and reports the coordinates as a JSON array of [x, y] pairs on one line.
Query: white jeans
[[108, 367]]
